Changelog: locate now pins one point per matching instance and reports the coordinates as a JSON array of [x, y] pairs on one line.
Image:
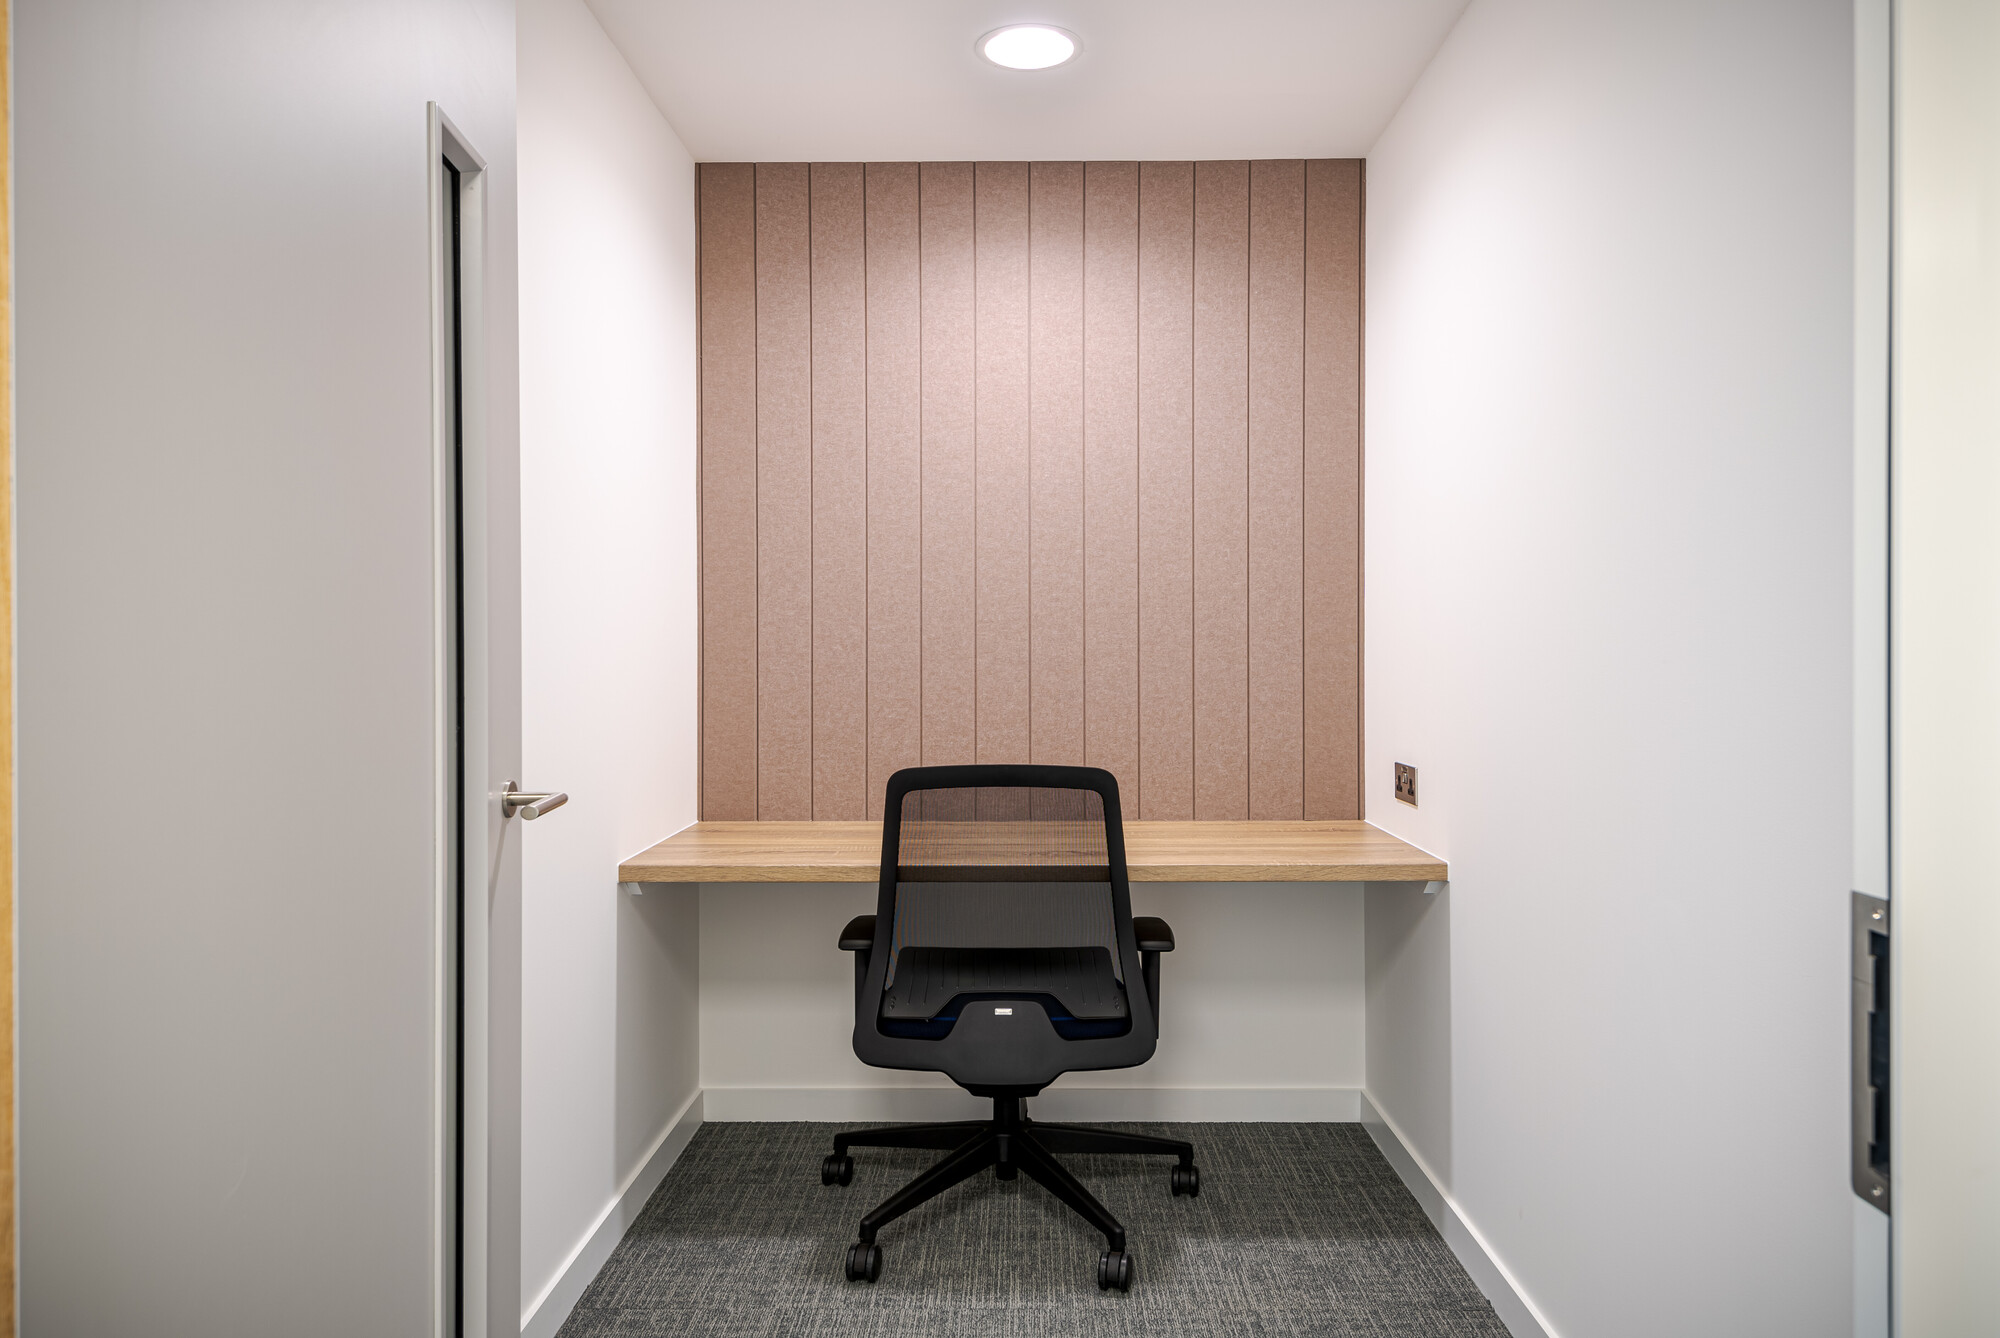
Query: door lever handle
[[529, 806]]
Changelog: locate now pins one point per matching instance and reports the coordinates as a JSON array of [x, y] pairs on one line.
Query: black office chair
[[1001, 954]]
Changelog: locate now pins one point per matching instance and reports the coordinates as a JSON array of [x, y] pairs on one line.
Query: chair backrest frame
[[1021, 1051]]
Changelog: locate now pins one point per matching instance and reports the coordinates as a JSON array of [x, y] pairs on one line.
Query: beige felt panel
[[895, 479], [1003, 470], [784, 492], [728, 275], [1276, 487], [1332, 492], [1111, 472], [1221, 499], [1055, 553], [1166, 491], [945, 209], [839, 377]]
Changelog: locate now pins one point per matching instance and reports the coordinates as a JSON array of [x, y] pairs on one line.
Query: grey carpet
[[1300, 1229]]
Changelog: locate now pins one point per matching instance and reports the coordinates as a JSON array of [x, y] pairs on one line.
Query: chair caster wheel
[[838, 1169], [1186, 1180], [864, 1261], [1114, 1269]]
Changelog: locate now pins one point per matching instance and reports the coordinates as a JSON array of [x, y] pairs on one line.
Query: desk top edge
[[1333, 850]]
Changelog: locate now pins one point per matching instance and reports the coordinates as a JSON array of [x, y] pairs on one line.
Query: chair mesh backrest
[[1002, 867]]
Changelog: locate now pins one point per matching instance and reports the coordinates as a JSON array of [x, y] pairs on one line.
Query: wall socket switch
[[1406, 784]]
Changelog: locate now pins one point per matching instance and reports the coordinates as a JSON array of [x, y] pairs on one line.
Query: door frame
[[8, 1243], [1944, 845], [463, 812]]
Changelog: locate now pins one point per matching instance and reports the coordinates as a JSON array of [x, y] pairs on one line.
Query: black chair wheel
[[838, 1169], [864, 1261], [1114, 1269], [1186, 1180]]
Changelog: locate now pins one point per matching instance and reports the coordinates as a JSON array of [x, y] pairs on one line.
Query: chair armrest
[[1153, 933], [859, 936]]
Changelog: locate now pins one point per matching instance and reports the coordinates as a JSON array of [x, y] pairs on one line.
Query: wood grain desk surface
[[1155, 852]]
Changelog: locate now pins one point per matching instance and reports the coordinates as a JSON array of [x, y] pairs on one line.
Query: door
[[241, 711]]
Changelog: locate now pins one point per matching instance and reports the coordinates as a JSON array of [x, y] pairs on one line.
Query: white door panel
[[230, 981]]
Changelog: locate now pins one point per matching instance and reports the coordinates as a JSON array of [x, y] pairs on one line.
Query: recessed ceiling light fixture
[[1027, 46]]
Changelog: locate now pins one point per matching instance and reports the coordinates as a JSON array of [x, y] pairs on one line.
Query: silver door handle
[[529, 806]]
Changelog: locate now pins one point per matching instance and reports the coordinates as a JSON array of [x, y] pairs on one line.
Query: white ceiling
[[887, 80]]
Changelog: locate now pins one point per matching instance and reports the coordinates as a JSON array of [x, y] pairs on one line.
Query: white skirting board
[[1085, 1104], [1495, 1283], [542, 1317]]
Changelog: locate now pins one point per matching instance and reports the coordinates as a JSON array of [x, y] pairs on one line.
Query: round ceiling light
[[1028, 46]]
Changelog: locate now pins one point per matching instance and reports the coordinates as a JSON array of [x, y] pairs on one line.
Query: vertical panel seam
[[812, 514], [1360, 482], [1139, 675], [975, 463], [1083, 437], [922, 438], [1139, 480], [867, 516], [756, 513], [700, 507], [922, 587]]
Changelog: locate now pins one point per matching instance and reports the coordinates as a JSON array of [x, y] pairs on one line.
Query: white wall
[[1945, 919], [1260, 1015], [609, 655], [1408, 973], [226, 1027], [1609, 392]]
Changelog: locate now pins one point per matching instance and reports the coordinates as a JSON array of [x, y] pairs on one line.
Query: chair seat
[[929, 978]]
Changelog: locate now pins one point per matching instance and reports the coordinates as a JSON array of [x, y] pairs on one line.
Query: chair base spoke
[[1011, 1144]]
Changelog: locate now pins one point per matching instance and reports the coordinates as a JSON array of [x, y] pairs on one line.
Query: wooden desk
[[1155, 852]]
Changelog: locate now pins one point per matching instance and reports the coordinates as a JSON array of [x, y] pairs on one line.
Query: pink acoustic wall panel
[[1056, 495], [1166, 491], [945, 212], [728, 273], [1053, 461], [1276, 484], [1001, 538], [839, 495], [1221, 492], [1110, 493], [784, 492], [1332, 494], [895, 478]]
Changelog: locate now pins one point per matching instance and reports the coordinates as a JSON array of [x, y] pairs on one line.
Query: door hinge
[[1871, 1050]]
